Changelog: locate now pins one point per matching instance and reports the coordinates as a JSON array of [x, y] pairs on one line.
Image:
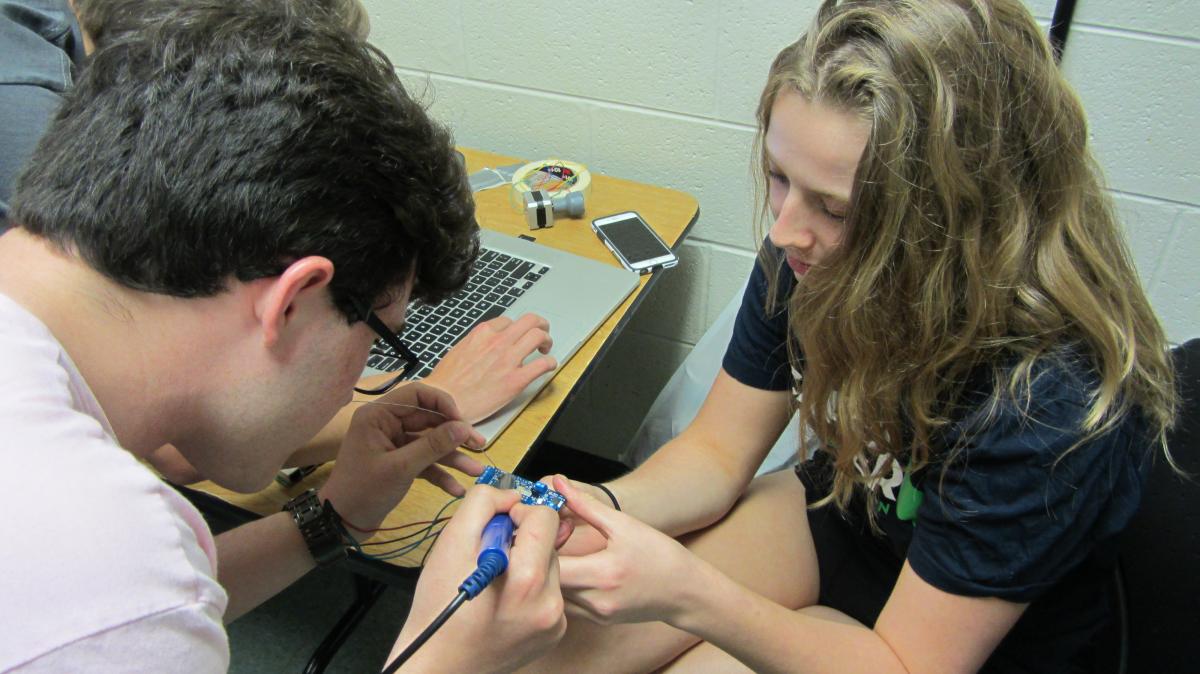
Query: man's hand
[[519, 617], [393, 441], [487, 368]]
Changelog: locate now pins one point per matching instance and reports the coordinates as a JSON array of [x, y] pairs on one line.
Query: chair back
[[1160, 550]]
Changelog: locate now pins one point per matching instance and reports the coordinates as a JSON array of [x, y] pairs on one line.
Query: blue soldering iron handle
[[497, 537], [494, 545]]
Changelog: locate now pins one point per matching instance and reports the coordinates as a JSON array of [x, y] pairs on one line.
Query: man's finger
[[475, 440], [537, 527], [462, 463], [414, 457], [537, 367], [478, 507], [443, 480], [411, 417], [536, 339], [522, 326], [532, 321], [497, 324]]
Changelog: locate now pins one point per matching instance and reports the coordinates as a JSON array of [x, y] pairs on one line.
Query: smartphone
[[633, 242]]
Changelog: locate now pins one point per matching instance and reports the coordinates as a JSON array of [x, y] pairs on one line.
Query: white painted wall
[[664, 91]]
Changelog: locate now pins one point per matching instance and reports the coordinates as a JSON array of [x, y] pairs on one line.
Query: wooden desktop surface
[[668, 211]]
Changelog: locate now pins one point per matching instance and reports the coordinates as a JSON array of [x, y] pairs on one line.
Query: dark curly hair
[[228, 139], [105, 19]]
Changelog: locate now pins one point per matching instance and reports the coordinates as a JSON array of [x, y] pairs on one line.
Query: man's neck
[[126, 354]]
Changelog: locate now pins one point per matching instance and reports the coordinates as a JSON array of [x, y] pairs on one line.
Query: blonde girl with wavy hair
[[945, 285]]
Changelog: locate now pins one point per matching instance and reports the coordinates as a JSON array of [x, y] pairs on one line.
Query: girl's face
[[812, 153]]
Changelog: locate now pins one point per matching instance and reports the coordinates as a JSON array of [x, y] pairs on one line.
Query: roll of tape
[[552, 176]]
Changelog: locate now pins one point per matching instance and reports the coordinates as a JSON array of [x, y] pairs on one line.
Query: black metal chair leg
[[366, 593]]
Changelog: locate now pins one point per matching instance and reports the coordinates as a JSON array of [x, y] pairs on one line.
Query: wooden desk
[[669, 212]]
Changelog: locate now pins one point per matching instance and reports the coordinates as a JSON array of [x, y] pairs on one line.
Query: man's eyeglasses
[[397, 348]]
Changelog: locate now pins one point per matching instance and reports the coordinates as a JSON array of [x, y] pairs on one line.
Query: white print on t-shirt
[[886, 485]]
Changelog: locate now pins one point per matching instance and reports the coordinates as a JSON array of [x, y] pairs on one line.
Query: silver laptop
[[512, 277]]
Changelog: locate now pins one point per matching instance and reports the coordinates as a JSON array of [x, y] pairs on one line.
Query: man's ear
[[89, 45], [275, 306]]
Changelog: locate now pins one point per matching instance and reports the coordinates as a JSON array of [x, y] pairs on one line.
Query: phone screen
[[633, 238]]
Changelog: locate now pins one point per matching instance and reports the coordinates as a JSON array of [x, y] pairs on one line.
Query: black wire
[[380, 390], [424, 636]]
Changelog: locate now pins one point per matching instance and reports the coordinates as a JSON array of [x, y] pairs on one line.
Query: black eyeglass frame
[[411, 362]]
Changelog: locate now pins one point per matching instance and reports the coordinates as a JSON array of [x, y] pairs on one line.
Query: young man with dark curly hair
[[226, 209]]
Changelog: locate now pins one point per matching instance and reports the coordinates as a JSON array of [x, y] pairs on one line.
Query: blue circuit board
[[532, 493]]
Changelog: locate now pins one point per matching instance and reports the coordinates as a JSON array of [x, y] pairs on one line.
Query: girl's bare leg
[[763, 543]]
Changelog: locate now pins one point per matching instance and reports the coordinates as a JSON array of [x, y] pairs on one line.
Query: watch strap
[[319, 524]]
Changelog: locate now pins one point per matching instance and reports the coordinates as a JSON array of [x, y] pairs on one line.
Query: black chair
[[1157, 583]]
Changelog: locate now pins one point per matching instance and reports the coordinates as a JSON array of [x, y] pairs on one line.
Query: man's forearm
[[257, 560]]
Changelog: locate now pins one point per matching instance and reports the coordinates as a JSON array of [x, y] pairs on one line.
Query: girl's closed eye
[[834, 212]]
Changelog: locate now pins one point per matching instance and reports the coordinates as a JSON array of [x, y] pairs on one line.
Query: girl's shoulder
[[1041, 421]]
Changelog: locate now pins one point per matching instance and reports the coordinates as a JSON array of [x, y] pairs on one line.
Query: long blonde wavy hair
[[978, 232]]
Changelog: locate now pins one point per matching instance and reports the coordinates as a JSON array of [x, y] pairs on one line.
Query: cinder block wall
[[665, 91]]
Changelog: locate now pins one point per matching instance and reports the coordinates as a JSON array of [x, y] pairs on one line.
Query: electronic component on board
[[532, 493]]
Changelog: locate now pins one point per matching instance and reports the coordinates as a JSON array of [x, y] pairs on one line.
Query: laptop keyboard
[[497, 280]]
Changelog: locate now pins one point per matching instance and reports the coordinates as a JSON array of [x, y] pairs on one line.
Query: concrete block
[[506, 120], [729, 270], [1148, 224], [429, 39], [1177, 18], [1176, 290], [1042, 9], [709, 160], [746, 45], [1140, 94], [655, 55]]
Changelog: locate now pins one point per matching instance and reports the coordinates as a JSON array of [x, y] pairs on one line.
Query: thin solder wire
[[359, 401]]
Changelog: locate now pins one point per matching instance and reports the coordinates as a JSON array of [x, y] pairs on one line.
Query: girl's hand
[[576, 537], [640, 575]]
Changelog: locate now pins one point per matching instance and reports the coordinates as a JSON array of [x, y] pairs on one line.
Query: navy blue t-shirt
[[1013, 516]]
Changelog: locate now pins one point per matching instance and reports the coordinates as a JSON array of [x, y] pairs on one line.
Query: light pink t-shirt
[[103, 567]]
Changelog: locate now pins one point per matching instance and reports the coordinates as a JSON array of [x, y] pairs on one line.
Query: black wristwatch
[[320, 527]]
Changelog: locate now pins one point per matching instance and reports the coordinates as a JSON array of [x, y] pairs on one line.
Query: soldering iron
[[495, 543], [492, 561]]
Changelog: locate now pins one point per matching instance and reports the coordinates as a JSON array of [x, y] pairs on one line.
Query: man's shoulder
[[105, 549], [99, 541], [41, 392]]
